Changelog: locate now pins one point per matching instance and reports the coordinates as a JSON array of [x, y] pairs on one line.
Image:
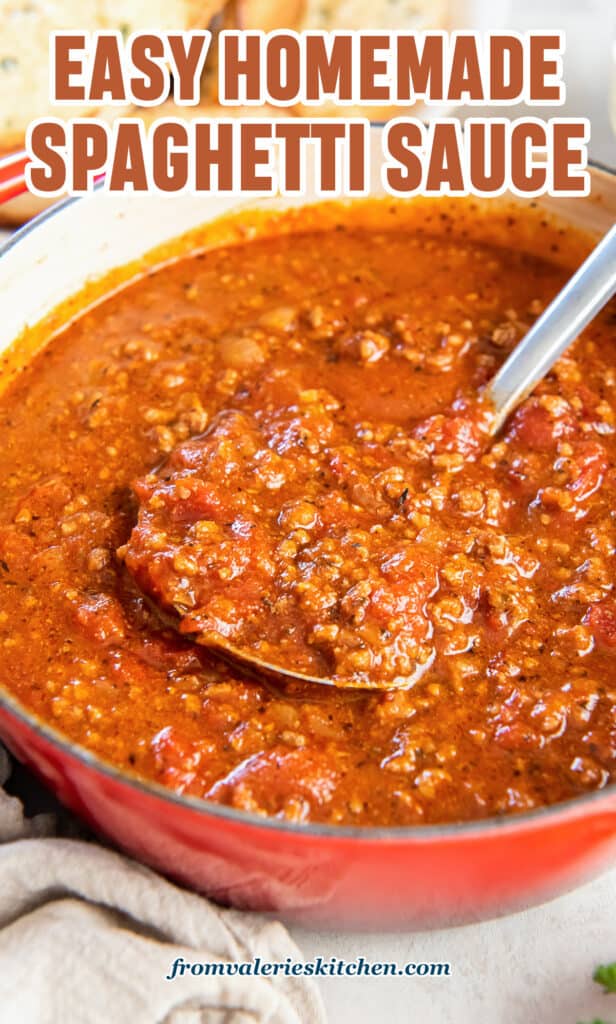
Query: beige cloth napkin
[[87, 937]]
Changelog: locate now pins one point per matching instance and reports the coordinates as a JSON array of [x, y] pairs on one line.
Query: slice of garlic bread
[[24, 59], [328, 15], [268, 15], [24, 47], [390, 15]]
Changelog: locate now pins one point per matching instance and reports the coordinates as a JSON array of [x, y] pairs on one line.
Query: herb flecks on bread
[[408, 15], [25, 26]]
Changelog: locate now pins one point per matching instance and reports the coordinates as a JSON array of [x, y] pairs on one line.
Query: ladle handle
[[573, 308]]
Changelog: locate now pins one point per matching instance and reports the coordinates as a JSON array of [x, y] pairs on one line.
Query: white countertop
[[530, 968]]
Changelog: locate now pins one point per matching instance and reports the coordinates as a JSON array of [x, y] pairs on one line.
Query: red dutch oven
[[413, 877]]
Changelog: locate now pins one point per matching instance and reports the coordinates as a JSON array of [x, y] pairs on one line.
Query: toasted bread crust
[[269, 15]]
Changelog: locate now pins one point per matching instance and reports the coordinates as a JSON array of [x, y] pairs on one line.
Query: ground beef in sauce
[[287, 536], [225, 384]]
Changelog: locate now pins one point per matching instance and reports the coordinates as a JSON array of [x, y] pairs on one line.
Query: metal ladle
[[590, 288]]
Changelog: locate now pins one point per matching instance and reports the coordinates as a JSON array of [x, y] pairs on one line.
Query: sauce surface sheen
[[293, 420]]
